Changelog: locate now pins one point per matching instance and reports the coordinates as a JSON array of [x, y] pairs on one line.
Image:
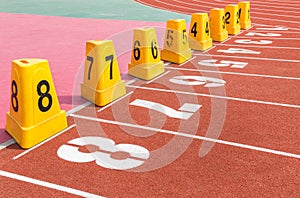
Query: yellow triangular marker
[[35, 113], [176, 45], [145, 58], [244, 14], [232, 19], [217, 25], [102, 81], [199, 36]]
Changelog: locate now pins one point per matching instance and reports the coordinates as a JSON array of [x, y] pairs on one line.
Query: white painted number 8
[[107, 147]]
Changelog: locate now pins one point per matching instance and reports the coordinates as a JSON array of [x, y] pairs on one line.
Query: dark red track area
[[281, 15], [242, 141], [225, 171]]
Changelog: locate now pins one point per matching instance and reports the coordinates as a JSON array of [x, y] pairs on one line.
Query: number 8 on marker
[[35, 114], [14, 94], [42, 92]]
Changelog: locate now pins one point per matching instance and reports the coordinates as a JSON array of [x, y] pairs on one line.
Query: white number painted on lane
[[198, 80], [223, 63], [107, 147], [172, 113], [239, 51], [262, 34], [272, 28], [249, 41]]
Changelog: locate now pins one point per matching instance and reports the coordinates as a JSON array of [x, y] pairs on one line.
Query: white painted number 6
[[198, 80], [107, 147]]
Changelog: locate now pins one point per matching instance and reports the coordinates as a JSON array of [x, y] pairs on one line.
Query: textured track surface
[[242, 140]]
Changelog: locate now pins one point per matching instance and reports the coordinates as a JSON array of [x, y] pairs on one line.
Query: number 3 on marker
[[103, 158]]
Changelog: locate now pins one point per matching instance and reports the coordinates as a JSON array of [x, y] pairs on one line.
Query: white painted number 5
[[103, 158], [223, 63]]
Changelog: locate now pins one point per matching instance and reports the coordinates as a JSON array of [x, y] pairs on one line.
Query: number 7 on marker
[[107, 58], [91, 59]]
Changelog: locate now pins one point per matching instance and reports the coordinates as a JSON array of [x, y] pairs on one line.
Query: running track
[[255, 154]]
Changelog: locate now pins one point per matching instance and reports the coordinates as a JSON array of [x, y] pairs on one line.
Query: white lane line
[[115, 101], [278, 8], [74, 110], [187, 61], [208, 49], [160, 8], [261, 46], [48, 184], [200, 4], [131, 81], [36, 146], [7, 143], [252, 9], [269, 5], [274, 31], [268, 25], [265, 150], [167, 63], [158, 77], [219, 97], [226, 40], [250, 58], [281, 3], [241, 32], [177, 6], [268, 37], [236, 73], [78, 108]]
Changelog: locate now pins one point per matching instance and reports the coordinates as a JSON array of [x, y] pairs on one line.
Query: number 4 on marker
[[184, 112]]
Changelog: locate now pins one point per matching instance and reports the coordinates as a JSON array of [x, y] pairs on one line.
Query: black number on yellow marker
[[111, 59], [194, 29], [44, 95], [227, 15], [91, 59], [207, 28], [169, 37], [136, 50], [184, 36], [238, 17], [14, 99], [240, 11], [154, 49], [224, 23]]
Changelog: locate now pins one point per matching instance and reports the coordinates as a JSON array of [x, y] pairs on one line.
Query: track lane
[[186, 8], [189, 171]]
